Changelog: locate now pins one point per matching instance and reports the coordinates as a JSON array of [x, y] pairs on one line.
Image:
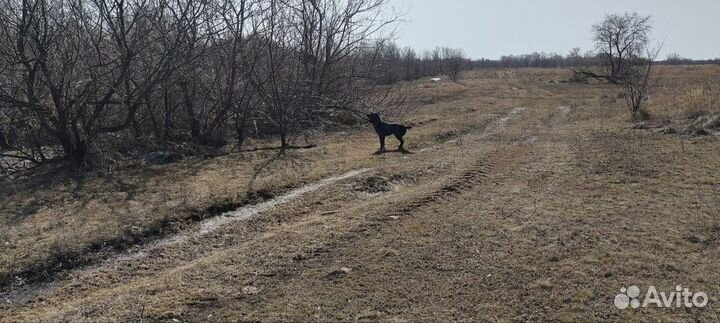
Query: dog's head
[[374, 118]]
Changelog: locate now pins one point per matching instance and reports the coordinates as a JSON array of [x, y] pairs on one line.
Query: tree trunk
[[167, 115], [190, 109], [3, 141], [74, 146], [240, 129], [75, 151], [283, 139]]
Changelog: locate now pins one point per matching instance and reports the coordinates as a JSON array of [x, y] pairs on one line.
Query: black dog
[[384, 129]]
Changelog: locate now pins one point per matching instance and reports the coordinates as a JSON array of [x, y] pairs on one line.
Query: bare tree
[[82, 78], [454, 63], [410, 64], [639, 80], [676, 59], [78, 70], [618, 38], [314, 60], [391, 60], [241, 20]]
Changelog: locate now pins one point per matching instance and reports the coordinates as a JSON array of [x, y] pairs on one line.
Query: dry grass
[[565, 205], [686, 92], [55, 221]]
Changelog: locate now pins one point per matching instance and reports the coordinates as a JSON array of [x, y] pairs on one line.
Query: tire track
[[472, 176], [24, 293], [556, 118]]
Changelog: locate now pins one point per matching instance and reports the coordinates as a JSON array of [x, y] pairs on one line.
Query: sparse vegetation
[[215, 160], [639, 80], [584, 177]]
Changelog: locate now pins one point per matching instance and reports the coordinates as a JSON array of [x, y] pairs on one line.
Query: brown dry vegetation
[[501, 213], [689, 100]]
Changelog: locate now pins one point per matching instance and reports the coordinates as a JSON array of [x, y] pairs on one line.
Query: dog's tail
[[407, 127]]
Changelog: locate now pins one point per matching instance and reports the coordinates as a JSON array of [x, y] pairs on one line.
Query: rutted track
[[246, 212], [472, 176], [477, 173], [23, 293]]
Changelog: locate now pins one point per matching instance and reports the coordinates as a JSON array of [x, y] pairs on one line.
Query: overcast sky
[[492, 28]]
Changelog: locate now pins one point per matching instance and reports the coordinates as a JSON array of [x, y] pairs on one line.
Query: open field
[[524, 198]]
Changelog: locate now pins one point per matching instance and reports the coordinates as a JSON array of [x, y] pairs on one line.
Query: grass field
[[525, 198]]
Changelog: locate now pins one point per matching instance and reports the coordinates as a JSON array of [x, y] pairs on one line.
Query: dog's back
[[387, 129]]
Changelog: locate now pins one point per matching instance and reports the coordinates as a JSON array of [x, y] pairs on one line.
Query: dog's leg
[[382, 143], [402, 142]]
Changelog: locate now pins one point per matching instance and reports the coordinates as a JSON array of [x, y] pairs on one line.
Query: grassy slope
[[571, 205]]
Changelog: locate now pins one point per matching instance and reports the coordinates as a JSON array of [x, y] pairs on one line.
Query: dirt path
[[23, 294], [145, 262], [526, 213]]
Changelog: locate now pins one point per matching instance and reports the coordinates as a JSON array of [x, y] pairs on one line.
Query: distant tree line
[[405, 64], [573, 59]]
